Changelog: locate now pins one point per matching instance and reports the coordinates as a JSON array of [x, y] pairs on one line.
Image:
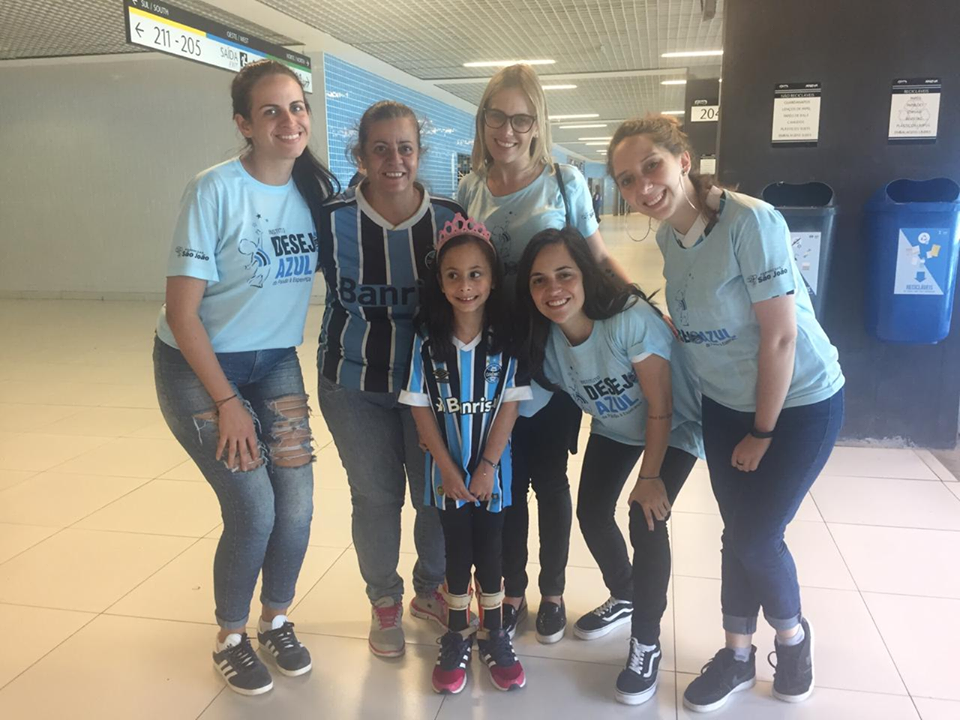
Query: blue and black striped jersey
[[465, 398], [373, 273]]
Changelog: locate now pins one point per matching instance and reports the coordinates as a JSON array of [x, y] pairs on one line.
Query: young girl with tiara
[[465, 396]]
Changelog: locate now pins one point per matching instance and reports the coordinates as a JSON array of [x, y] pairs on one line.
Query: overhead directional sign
[[161, 26]]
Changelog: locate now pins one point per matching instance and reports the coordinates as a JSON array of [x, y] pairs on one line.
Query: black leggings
[[540, 447], [606, 467], [472, 536]]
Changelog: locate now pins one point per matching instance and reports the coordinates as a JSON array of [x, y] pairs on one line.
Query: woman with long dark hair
[[603, 343], [228, 378]]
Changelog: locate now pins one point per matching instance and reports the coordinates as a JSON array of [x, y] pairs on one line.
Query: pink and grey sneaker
[[430, 606], [506, 672], [450, 672], [434, 607], [386, 630]]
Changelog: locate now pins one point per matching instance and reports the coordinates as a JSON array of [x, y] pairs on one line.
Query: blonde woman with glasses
[[516, 190]]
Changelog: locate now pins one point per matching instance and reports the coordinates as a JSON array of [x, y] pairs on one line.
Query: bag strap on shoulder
[[563, 194]]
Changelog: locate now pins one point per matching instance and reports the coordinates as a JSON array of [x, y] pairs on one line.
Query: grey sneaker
[[288, 652], [386, 628], [430, 606], [240, 667]]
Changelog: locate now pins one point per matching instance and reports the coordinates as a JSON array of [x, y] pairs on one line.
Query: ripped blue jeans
[[266, 511]]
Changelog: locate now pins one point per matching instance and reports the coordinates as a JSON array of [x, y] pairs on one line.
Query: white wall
[[95, 153], [95, 156]]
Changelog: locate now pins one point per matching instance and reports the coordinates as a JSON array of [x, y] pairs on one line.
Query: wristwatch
[[761, 435]]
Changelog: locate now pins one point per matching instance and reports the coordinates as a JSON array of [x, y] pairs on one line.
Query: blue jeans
[[266, 511], [380, 450], [757, 568]]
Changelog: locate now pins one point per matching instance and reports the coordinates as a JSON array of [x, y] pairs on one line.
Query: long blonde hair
[[523, 77]]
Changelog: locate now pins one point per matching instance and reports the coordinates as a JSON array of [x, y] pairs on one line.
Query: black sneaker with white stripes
[[638, 680], [604, 619], [242, 670], [281, 642]]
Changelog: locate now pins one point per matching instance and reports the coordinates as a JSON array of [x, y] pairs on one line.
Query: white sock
[[277, 622], [791, 641], [233, 639]]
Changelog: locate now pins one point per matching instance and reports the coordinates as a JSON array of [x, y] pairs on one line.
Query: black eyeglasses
[[496, 119]]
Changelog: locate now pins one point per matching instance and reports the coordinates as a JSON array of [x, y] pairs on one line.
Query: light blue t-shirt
[[515, 218], [256, 246], [599, 375], [711, 288]]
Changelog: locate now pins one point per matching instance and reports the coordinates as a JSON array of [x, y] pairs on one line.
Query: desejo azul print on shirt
[[256, 247]]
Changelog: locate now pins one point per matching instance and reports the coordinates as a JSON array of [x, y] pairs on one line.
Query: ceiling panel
[[431, 39]]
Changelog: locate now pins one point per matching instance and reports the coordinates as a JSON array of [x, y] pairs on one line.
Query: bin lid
[[934, 195], [798, 195]]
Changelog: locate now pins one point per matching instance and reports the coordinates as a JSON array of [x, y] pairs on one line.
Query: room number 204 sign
[[704, 113]]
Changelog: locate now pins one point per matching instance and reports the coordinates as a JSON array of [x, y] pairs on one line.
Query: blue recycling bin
[[810, 213], [912, 242]]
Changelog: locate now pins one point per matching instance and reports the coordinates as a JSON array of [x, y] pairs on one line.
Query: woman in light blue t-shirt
[[772, 390], [515, 190], [605, 345], [228, 379]]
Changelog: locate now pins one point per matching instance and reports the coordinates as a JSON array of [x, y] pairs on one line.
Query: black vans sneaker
[[291, 656], [551, 622], [242, 670], [604, 619], [718, 679], [638, 680], [513, 616], [793, 671]]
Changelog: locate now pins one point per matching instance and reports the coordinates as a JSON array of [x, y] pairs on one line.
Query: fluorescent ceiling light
[[505, 63], [693, 53], [554, 118], [559, 87], [674, 112], [603, 144], [596, 138], [674, 82], [580, 127]]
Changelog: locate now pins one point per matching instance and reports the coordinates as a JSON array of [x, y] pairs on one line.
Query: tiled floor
[[107, 534]]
